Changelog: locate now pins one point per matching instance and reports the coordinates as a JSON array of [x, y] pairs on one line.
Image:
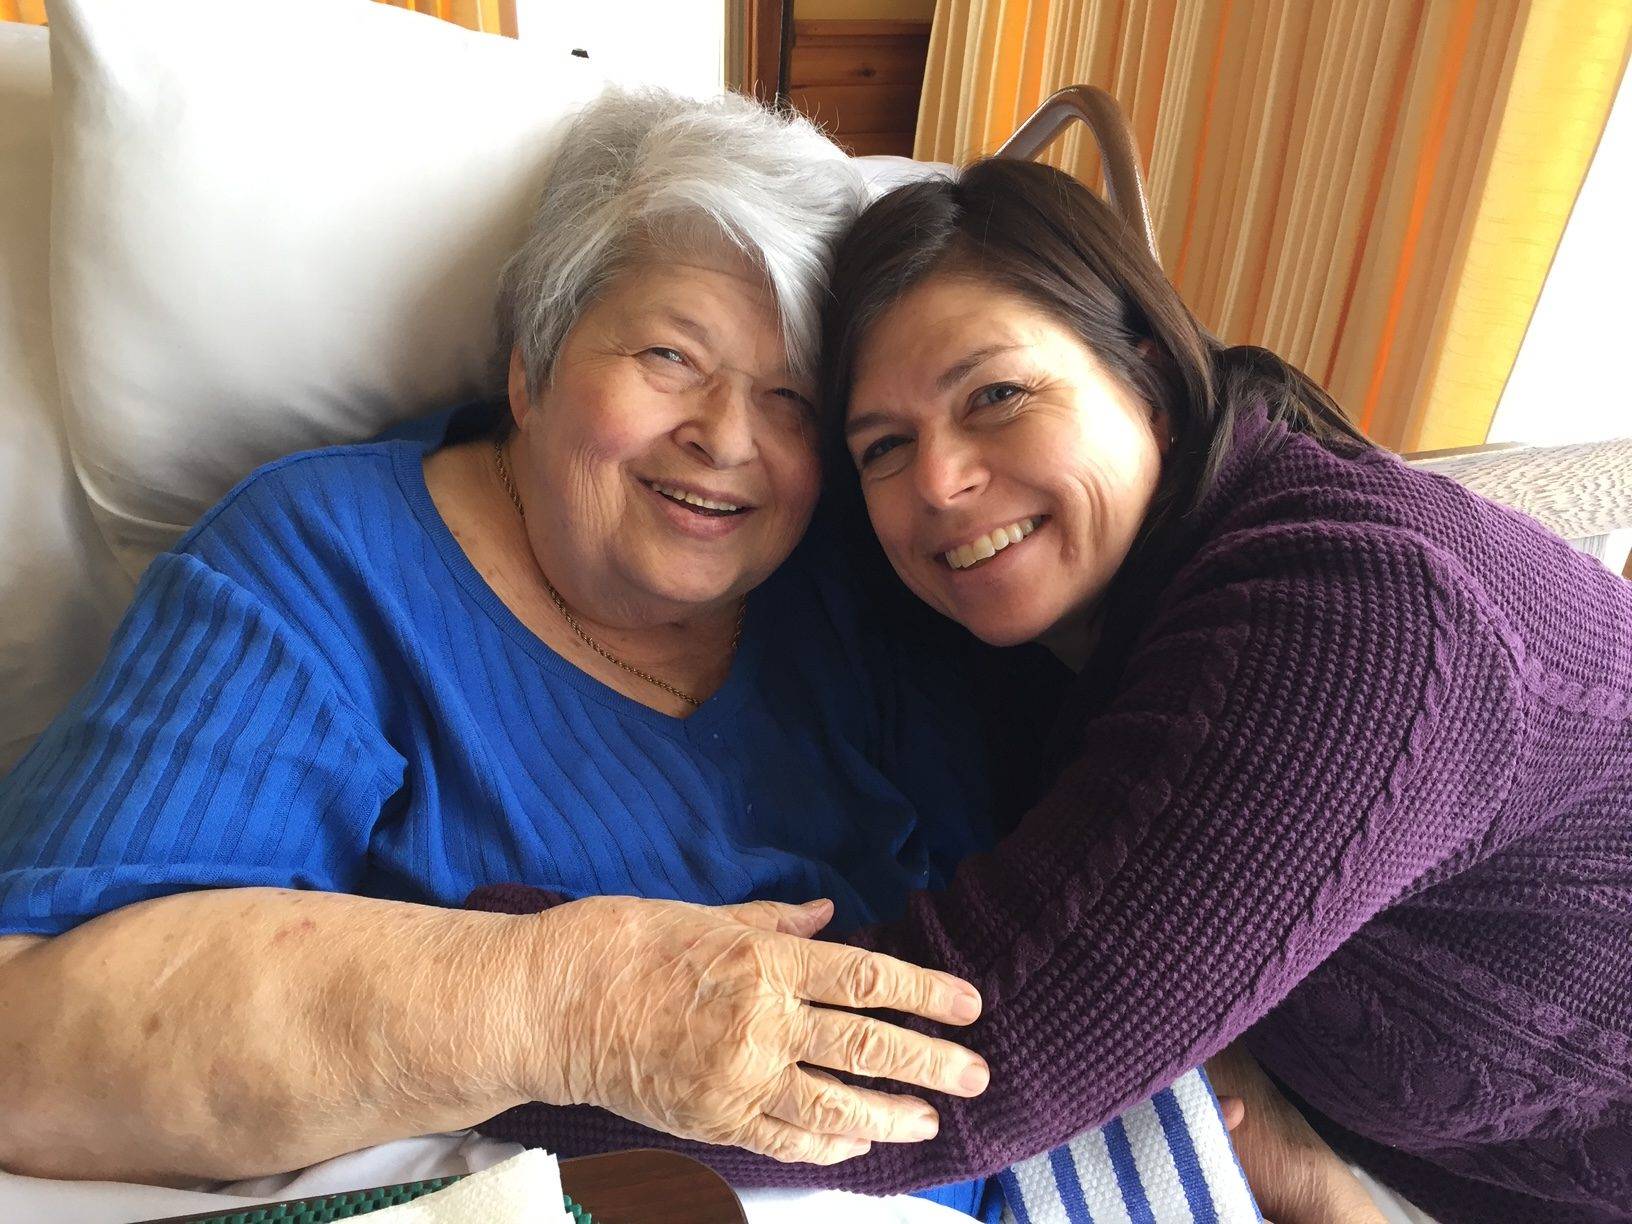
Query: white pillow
[[60, 591], [884, 172], [275, 226]]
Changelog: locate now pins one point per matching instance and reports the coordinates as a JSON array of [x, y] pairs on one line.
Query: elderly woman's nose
[[720, 429], [947, 469]]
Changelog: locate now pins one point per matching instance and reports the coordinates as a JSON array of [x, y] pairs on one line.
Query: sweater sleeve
[[214, 748], [1318, 717]]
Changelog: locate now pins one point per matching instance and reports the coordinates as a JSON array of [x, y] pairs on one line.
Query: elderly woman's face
[[673, 448], [1005, 472]]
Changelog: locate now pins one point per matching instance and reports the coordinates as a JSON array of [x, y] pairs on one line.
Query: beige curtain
[[30, 11], [1372, 188], [493, 16]]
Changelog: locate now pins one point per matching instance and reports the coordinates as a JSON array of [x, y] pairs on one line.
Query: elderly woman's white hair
[[644, 172]]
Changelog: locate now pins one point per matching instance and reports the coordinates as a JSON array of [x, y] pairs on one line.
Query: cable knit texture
[[1361, 790]]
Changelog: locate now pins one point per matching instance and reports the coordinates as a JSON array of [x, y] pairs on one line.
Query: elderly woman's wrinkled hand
[[696, 1020]]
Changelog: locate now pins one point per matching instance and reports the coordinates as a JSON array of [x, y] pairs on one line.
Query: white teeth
[[965, 555], [691, 498]]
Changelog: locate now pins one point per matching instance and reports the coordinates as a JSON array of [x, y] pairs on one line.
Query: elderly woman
[[1347, 765], [374, 677]]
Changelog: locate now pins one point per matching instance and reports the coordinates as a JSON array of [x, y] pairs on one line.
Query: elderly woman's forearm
[[234, 1033]]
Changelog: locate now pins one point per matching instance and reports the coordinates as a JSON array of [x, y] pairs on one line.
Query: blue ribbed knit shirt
[[316, 689]]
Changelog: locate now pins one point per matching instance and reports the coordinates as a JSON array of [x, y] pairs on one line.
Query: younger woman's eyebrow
[[949, 378], [955, 372], [866, 420]]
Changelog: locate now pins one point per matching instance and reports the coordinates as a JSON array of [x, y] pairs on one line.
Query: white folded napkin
[[525, 1189]]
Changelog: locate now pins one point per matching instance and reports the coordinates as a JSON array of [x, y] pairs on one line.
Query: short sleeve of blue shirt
[[212, 749]]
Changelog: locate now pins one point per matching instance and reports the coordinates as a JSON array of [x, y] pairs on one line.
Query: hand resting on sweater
[[698, 1021]]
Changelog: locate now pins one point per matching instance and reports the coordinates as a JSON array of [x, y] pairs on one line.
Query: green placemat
[[331, 1207]]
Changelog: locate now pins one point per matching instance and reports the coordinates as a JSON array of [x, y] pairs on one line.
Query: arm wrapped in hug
[[1301, 736]]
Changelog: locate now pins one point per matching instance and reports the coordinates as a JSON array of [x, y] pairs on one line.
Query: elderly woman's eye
[[799, 401], [674, 356]]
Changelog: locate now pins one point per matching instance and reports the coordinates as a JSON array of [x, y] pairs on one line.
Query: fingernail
[[975, 1078], [966, 1007], [816, 906], [860, 1148], [926, 1125]]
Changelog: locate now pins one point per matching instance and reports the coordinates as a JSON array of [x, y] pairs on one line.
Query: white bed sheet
[[80, 1202]]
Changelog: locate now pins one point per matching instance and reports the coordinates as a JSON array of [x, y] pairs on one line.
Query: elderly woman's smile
[[669, 466]]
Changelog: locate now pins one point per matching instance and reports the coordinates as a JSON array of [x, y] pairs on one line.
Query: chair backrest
[[1124, 181], [61, 591]]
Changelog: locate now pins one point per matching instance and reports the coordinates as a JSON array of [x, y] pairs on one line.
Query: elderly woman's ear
[[516, 386]]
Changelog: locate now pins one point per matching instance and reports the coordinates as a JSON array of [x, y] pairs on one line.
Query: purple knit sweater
[[1363, 792]]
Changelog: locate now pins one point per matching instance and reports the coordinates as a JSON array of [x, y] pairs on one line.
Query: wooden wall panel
[[861, 80], [854, 110], [831, 62]]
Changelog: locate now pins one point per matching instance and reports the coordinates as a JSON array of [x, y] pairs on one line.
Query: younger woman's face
[[1006, 472]]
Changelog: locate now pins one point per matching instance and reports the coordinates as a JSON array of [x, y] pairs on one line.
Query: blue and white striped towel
[[1168, 1161]]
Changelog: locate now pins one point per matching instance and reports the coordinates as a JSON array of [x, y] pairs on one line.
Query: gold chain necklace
[[566, 614]]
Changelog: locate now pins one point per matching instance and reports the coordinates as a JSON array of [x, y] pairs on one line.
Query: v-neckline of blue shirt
[[408, 462]]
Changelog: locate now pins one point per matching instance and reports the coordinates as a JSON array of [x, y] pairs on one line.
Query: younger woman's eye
[[997, 393], [878, 449]]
